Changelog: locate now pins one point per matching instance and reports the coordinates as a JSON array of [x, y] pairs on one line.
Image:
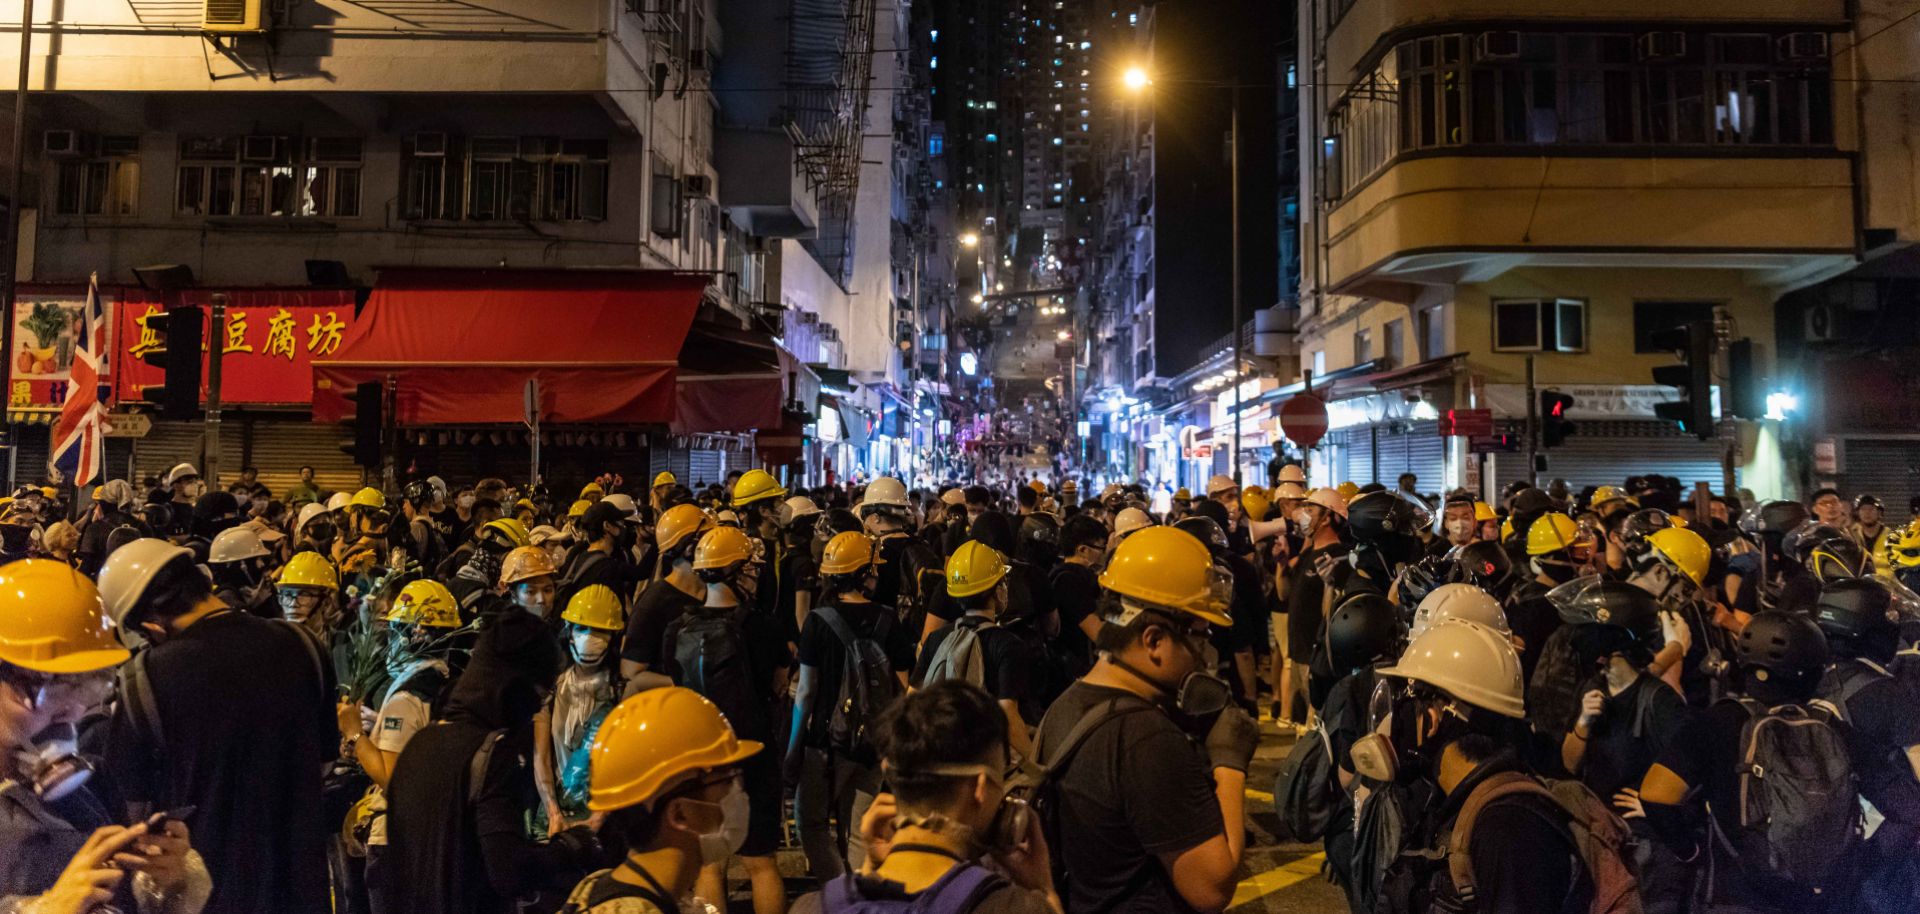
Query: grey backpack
[[960, 655]]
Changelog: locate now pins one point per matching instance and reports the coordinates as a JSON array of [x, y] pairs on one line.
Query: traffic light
[[178, 334], [1693, 343], [369, 402], [1554, 425]]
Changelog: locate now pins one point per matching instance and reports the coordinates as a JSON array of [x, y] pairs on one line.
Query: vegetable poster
[[43, 341]]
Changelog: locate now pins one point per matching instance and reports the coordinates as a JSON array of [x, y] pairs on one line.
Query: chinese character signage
[[43, 339], [271, 340]]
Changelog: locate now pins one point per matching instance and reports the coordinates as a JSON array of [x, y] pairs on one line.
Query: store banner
[[1590, 401], [272, 338], [43, 343]]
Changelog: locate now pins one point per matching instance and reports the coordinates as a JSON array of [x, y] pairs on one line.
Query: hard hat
[[663, 478], [679, 522], [234, 544], [1606, 494], [974, 568], [1784, 644], [849, 552], [1551, 533], [309, 569], [439, 485], [721, 547], [1506, 528], [1904, 549], [798, 508], [427, 603], [1458, 601], [1330, 499], [1069, 487], [622, 502], [1220, 483], [1483, 512], [578, 508], [525, 563], [338, 501], [307, 513], [953, 496], [596, 606], [1677, 521], [1375, 516], [181, 471], [885, 492], [655, 741], [756, 485], [1684, 550], [52, 621], [369, 497], [1288, 489], [1182, 494], [545, 533], [1598, 600], [1113, 490], [129, 569], [1469, 661], [726, 518], [1038, 487], [592, 491], [1348, 489], [1294, 474], [511, 527], [1131, 519], [1167, 569], [1254, 501], [51, 493]]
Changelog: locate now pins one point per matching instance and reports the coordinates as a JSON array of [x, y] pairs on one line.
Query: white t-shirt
[[403, 715]]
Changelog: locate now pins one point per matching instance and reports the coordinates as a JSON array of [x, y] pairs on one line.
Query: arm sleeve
[[1510, 875], [1182, 812], [515, 865], [641, 643], [1011, 680]]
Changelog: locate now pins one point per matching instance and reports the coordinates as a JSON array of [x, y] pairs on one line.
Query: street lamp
[[969, 240], [1136, 78]]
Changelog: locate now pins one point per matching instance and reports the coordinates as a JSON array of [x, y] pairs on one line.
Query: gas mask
[[1012, 815], [590, 645], [1561, 572], [1410, 724], [54, 766], [1200, 694]]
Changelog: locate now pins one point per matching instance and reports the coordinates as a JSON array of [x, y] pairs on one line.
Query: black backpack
[[922, 575], [1304, 792], [710, 649], [1799, 808], [868, 684]]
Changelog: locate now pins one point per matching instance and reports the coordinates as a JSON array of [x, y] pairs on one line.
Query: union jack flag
[[78, 436]]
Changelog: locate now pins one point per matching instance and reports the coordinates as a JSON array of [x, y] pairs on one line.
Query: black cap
[[1784, 644]]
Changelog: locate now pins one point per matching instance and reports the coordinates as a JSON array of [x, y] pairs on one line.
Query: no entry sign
[[1304, 419]]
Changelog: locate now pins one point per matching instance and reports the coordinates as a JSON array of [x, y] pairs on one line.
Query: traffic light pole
[[1533, 428], [216, 346]]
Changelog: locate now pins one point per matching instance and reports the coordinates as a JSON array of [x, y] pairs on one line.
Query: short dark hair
[[978, 495], [951, 722], [1028, 497], [1823, 492], [306, 467], [177, 587], [1476, 748], [486, 504], [1081, 530]]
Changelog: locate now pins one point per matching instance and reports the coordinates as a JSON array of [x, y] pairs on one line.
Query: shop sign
[[268, 348], [1466, 423], [43, 342], [1593, 401], [1826, 456]]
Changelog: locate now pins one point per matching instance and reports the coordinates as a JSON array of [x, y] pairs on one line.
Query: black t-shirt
[[1076, 592], [657, 607], [246, 725], [1881, 725], [767, 654], [1305, 593], [798, 574], [1522, 862], [1004, 660], [822, 649], [1247, 609], [1137, 789], [1534, 619], [1634, 730]]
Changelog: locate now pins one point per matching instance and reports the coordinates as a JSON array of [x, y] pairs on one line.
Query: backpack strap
[[1110, 710], [833, 620], [136, 690], [1486, 793], [477, 766]]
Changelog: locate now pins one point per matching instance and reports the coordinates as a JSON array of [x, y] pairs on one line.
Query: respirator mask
[[53, 766], [1409, 723]]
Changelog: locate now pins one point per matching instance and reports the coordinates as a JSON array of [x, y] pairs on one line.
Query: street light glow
[[1136, 79], [969, 240], [978, 298]]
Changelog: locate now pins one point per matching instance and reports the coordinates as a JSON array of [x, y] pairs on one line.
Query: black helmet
[[417, 493], [1829, 553], [1483, 564], [1420, 578], [1784, 644], [1375, 516], [1599, 600], [1855, 608], [1532, 501], [1205, 530], [1641, 524], [1779, 517], [1365, 628], [1040, 527]]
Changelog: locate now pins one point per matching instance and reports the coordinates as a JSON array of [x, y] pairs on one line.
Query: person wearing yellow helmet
[[530, 581], [57, 662], [583, 696], [306, 589], [973, 647], [663, 483], [1154, 661], [830, 756], [475, 566], [665, 772], [675, 589], [610, 534], [737, 657]]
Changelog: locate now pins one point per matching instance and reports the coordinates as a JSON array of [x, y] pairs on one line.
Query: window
[[1651, 317], [1320, 362], [936, 144], [1539, 325], [1362, 346], [1433, 332], [504, 178], [664, 216], [107, 184], [269, 176], [1394, 335]]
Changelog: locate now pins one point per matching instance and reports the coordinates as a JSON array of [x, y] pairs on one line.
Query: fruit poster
[[44, 334]]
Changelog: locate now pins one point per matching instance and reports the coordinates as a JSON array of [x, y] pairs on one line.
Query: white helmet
[[308, 512], [1329, 499], [234, 544], [1220, 483], [798, 508], [886, 491], [1288, 489], [127, 572], [181, 471], [953, 496], [338, 501], [546, 533], [1469, 661], [622, 502], [439, 486], [1129, 520], [1292, 473], [1458, 601]]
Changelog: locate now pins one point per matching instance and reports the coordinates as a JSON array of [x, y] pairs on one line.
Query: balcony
[[761, 184]]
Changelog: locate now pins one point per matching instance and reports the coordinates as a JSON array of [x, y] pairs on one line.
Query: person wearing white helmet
[[314, 530], [794, 563], [238, 560], [188, 730], [911, 570], [1313, 576], [183, 487]]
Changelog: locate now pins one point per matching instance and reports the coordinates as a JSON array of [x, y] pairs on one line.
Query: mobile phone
[[159, 819]]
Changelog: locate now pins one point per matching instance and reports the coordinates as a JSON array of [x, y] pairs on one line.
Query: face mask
[[1303, 521], [466, 502], [1459, 530], [726, 839], [1559, 572], [15, 539], [54, 767], [590, 645]]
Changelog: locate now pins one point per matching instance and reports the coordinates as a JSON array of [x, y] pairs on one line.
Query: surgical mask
[[730, 835], [465, 502], [1303, 521], [590, 645], [1459, 530]]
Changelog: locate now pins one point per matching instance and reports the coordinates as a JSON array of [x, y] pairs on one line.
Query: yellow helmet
[[653, 742], [1677, 521], [663, 478], [309, 569], [1348, 490], [1904, 548], [849, 552], [721, 547], [596, 606], [1183, 494], [679, 522], [1168, 569], [592, 491], [52, 620], [1039, 488], [974, 568], [425, 602], [1551, 533], [756, 485], [511, 528], [368, 497], [525, 563], [578, 508], [1684, 550], [1606, 494], [1254, 501], [1506, 528], [1483, 512]]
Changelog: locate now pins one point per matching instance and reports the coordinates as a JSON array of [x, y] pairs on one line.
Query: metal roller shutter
[[1418, 450], [185, 442], [1359, 456], [1886, 467], [280, 446], [28, 457], [704, 467], [1606, 453], [675, 460]]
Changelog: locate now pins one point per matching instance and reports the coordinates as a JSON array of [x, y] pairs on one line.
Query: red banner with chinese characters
[[272, 337]]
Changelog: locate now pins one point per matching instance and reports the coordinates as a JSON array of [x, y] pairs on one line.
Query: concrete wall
[[1886, 78]]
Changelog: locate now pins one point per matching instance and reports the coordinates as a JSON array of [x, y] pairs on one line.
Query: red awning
[[461, 345]]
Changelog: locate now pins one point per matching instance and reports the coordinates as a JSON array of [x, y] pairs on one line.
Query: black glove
[[579, 843], [1232, 739]]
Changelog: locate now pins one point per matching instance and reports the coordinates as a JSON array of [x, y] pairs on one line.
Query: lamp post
[[12, 246]]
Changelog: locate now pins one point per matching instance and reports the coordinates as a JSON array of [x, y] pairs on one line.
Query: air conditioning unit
[[1503, 45], [699, 186], [234, 16], [261, 148], [430, 144], [1662, 45], [61, 143], [1834, 323], [1803, 47]]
